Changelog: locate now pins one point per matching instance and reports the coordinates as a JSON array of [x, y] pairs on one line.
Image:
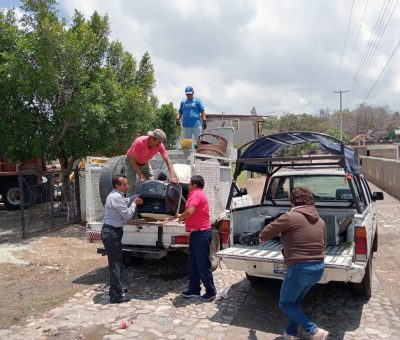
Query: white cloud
[[273, 55]]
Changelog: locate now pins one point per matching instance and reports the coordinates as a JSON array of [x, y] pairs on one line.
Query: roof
[[260, 154], [314, 172], [236, 116]]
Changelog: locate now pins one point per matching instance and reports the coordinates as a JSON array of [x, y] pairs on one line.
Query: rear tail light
[[183, 239], [361, 243], [225, 231]]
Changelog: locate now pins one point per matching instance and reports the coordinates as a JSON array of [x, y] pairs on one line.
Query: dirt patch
[[60, 264]]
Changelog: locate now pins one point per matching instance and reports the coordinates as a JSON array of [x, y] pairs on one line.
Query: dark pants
[[111, 238], [199, 265]]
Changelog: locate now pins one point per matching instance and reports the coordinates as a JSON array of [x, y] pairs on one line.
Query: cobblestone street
[[250, 312]]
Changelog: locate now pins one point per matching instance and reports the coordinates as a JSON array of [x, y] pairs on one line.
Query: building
[[245, 127]]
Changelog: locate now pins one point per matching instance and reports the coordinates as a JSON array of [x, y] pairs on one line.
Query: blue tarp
[[268, 146]]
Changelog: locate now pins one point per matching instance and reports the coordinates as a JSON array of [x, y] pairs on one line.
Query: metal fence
[[36, 202]]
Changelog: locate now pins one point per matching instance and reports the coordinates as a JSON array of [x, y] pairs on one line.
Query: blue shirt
[[191, 112], [118, 209]]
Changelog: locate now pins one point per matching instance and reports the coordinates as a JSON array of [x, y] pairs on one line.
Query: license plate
[[280, 269]]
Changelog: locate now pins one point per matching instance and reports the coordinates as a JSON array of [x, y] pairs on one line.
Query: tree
[[166, 120], [67, 91]]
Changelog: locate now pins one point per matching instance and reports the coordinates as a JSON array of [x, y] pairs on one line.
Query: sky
[[278, 56]]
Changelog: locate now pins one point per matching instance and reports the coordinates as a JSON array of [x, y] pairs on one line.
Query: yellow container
[[186, 143]]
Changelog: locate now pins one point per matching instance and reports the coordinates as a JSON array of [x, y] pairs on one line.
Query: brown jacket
[[303, 234]]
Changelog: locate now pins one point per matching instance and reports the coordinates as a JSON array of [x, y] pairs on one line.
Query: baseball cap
[[158, 134], [189, 90]]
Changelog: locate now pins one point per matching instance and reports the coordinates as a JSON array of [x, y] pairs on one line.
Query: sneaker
[[208, 296], [321, 334], [190, 294], [289, 337], [121, 300]]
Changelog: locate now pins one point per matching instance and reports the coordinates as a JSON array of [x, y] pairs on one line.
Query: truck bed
[[267, 258]]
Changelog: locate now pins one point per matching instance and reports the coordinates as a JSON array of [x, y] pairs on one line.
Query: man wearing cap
[[139, 155], [193, 115]]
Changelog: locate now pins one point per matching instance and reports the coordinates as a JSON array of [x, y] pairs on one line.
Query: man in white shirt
[[117, 211]]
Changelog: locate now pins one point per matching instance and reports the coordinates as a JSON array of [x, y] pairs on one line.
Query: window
[[235, 124]]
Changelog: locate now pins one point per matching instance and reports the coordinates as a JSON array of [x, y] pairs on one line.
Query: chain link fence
[[36, 201]]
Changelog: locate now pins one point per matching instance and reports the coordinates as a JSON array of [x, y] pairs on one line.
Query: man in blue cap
[[193, 116]]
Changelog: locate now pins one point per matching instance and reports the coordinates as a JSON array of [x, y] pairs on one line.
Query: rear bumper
[[277, 269]]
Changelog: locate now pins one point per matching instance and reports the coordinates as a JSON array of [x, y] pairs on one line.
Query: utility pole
[[341, 116]]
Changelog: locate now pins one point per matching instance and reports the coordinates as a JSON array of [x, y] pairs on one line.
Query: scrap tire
[[364, 288], [214, 248], [11, 195], [114, 166]]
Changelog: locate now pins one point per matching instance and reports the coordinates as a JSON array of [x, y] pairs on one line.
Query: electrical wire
[[383, 70], [338, 77]]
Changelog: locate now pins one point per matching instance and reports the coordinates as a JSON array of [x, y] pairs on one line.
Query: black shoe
[[208, 296], [190, 294], [125, 290], [121, 300]]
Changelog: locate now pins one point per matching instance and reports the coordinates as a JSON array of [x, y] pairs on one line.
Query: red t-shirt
[[144, 154], [200, 220]]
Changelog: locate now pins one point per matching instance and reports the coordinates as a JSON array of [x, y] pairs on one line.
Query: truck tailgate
[[267, 260]]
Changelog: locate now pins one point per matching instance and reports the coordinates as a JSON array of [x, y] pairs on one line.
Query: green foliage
[[68, 91], [166, 120]]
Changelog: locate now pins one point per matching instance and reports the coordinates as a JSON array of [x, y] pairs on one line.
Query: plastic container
[[121, 324]]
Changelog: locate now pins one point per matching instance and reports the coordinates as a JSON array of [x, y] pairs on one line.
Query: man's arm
[[167, 161], [136, 168], [187, 213], [120, 204]]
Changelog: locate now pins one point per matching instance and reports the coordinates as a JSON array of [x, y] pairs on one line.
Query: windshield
[[323, 187]]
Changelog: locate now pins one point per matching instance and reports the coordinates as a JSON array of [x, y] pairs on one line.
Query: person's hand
[[180, 218], [174, 180], [178, 122], [142, 179], [204, 124], [261, 239], [138, 200]]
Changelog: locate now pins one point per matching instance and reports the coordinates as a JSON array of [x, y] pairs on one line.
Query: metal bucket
[[212, 145]]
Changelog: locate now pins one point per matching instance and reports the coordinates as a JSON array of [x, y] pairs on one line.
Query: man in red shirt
[[139, 155], [197, 221]]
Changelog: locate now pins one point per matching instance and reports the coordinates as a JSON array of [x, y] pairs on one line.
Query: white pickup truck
[[342, 197], [151, 234]]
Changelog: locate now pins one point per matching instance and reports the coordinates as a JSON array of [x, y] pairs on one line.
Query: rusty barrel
[[211, 144]]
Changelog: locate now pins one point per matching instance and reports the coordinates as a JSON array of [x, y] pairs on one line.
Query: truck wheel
[[254, 280], [11, 195], [363, 289], [129, 260], [114, 166], [214, 248], [375, 242]]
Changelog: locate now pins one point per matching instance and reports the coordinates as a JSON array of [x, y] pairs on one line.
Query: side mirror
[[377, 196], [242, 191]]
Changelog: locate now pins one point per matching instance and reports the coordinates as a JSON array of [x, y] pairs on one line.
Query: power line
[[383, 70], [345, 45]]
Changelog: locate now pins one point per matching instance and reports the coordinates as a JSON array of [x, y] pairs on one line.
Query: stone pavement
[[157, 311]]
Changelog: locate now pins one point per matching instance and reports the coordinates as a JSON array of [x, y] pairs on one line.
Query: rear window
[[332, 188]]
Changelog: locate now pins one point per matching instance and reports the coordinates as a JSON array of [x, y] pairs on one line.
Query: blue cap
[[189, 90]]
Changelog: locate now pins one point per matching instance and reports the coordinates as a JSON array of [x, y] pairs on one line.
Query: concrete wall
[[385, 173]]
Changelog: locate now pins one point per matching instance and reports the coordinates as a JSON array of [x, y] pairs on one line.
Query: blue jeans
[[299, 279], [195, 131], [199, 264]]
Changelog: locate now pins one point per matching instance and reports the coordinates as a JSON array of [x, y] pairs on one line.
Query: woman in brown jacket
[[303, 235]]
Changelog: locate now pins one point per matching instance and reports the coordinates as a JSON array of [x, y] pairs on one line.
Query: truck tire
[[11, 195], [214, 248], [254, 280], [114, 166], [364, 288]]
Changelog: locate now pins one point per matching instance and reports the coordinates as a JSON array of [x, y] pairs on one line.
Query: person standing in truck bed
[[303, 235]]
